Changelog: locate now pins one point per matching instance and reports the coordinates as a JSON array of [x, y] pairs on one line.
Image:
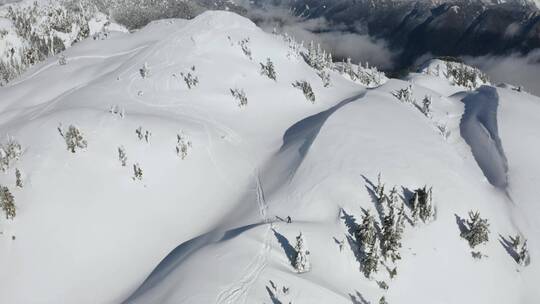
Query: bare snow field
[[161, 166]]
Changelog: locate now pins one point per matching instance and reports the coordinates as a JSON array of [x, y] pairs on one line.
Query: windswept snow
[[210, 225]]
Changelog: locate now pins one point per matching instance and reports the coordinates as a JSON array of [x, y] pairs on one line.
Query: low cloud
[[514, 69], [342, 41]]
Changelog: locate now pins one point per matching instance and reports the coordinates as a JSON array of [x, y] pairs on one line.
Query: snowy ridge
[[206, 220]]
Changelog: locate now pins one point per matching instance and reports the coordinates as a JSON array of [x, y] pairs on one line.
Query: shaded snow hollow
[[208, 228]]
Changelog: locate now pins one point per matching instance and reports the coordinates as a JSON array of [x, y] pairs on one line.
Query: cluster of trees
[[183, 144], [387, 237], [465, 76], [405, 95], [306, 89], [73, 137], [268, 69], [45, 30], [244, 45], [317, 57], [143, 134], [368, 76], [117, 111], [240, 96], [191, 80]]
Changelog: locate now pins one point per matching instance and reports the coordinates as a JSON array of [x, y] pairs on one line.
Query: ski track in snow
[[238, 291]]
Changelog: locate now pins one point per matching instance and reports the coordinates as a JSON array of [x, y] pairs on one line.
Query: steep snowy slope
[[209, 226]]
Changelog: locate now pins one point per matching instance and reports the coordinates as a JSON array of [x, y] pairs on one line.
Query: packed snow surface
[[206, 222]]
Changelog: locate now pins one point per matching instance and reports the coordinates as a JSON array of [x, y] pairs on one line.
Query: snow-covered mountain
[[164, 166]]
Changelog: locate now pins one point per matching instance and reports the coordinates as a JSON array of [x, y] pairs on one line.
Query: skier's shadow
[[287, 247]]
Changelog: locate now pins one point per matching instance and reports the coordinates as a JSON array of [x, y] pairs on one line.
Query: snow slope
[[208, 228]]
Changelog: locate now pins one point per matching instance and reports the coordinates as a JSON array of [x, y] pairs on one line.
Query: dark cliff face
[[453, 28]]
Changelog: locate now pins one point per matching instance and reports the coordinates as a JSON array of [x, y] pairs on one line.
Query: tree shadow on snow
[[287, 247], [352, 227], [507, 244], [463, 229], [370, 187], [358, 298], [273, 297]]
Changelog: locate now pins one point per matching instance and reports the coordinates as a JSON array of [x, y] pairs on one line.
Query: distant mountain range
[[442, 28]]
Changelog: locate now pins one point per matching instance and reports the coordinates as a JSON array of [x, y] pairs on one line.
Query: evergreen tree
[[367, 234], [144, 71], [190, 79], [7, 201], [74, 138], [301, 262], [306, 89], [268, 69], [122, 156], [422, 205], [523, 255], [18, 178], [426, 106], [240, 95], [478, 230], [370, 260], [182, 146], [325, 77], [137, 172], [391, 236], [9, 153]]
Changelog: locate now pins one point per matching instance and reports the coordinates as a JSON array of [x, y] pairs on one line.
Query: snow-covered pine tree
[[122, 156], [367, 239], [18, 178], [382, 300], [301, 261], [74, 138], [147, 135], [244, 45], [349, 70], [370, 260], [144, 70], [9, 153], [422, 205], [240, 95], [137, 172], [325, 77], [306, 89], [391, 236], [478, 230], [379, 190], [268, 69], [183, 144], [426, 106], [405, 95], [366, 234], [139, 132], [524, 258], [7, 201]]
